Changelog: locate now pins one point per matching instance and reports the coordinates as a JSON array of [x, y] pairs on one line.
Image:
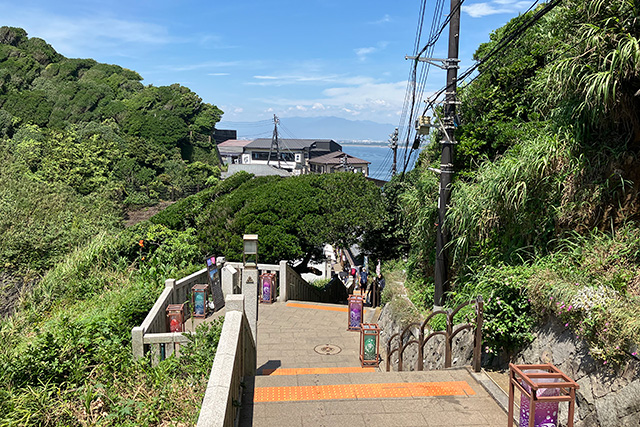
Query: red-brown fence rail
[[449, 334]]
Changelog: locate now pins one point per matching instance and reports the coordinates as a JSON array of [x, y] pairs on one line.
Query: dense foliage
[[547, 157], [293, 217], [96, 127], [80, 143]]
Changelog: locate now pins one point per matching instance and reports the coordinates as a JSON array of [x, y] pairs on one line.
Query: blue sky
[[256, 58]]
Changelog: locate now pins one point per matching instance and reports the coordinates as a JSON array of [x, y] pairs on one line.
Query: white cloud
[[218, 74], [213, 41], [238, 110], [281, 80], [83, 35], [494, 7], [386, 18], [364, 51], [365, 99]]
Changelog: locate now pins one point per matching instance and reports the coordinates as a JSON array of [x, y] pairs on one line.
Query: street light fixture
[[250, 253]]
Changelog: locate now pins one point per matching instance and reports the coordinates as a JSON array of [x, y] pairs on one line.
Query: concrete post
[[171, 284], [283, 281], [228, 279], [234, 303], [250, 290], [137, 342]]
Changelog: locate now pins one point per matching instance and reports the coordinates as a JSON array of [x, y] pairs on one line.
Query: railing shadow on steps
[[448, 335]]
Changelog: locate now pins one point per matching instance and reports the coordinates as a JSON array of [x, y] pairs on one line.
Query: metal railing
[[448, 335]]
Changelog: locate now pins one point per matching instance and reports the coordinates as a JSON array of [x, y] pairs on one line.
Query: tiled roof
[[234, 143], [257, 170], [335, 158], [292, 144]]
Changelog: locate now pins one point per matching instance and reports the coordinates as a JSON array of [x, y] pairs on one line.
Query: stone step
[[355, 375], [448, 397]]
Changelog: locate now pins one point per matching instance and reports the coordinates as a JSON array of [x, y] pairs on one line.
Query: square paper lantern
[[199, 300], [250, 250], [356, 309], [369, 344], [267, 288], [175, 317]]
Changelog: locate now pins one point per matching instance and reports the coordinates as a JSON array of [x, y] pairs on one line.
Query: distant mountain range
[[334, 128]]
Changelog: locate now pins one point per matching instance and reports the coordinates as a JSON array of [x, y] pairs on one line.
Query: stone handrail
[[235, 359], [152, 332], [151, 336]]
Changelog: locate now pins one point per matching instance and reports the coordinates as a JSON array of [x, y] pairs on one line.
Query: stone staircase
[[309, 375]]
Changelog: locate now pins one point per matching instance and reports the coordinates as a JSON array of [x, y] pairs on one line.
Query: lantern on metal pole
[[250, 281]]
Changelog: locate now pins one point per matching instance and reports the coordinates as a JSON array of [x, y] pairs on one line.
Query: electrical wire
[[415, 84], [502, 44]]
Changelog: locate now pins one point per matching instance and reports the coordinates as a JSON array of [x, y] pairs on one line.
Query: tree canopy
[[293, 217]]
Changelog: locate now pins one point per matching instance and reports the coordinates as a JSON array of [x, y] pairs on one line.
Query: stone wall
[[608, 396]]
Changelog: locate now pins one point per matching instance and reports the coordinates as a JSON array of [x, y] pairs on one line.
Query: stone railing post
[[228, 279], [137, 341], [250, 290], [234, 303], [283, 282]]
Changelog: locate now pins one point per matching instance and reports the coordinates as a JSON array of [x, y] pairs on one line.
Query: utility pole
[[274, 141], [393, 144], [446, 163], [344, 161]]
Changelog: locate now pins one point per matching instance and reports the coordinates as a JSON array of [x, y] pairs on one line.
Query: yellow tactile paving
[[317, 307], [311, 371], [361, 391]]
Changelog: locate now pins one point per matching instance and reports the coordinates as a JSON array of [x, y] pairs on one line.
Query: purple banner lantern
[[546, 412], [268, 292], [356, 307]]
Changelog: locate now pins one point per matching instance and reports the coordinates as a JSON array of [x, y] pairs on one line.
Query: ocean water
[[381, 158]]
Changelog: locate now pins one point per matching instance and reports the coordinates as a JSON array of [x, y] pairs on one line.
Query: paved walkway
[[309, 375]]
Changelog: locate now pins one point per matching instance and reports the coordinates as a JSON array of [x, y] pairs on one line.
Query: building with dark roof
[[231, 150], [338, 161], [294, 153]]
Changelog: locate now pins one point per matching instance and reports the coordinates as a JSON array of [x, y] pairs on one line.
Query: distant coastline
[[365, 143]]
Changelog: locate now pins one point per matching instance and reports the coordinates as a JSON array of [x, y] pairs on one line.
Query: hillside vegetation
[[545, 205], [80, 143]]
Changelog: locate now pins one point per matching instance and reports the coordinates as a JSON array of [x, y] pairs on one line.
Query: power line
[[502, 44], [417, 85]]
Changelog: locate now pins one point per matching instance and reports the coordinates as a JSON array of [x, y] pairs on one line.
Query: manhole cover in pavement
[[327, 349]]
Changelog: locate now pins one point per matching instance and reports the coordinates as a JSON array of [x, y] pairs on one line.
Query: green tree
[[294, 217]]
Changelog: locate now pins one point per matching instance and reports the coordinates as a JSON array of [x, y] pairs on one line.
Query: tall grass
[[66, 354], [509, 205]]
